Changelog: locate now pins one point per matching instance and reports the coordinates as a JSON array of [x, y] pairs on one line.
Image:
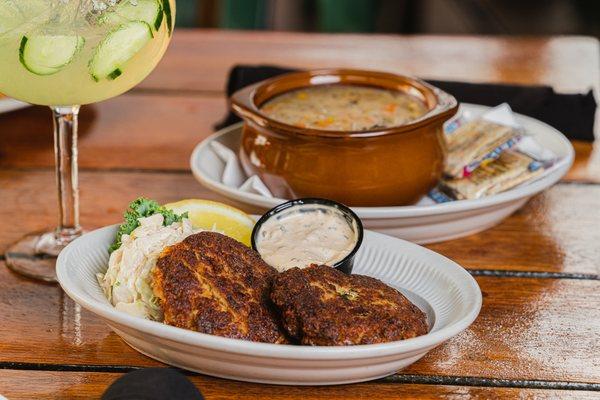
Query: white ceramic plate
[[7, 104], [441, 288], [418, 223]]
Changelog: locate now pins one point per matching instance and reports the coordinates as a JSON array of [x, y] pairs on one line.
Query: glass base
[[35, 254]]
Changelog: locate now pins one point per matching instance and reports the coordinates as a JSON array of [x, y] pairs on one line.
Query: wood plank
[[531, 328], [555, 232], [199, 60], [31, 197], [142, 131], [538, 329], [586, 167], [130, 131], [86, 385]]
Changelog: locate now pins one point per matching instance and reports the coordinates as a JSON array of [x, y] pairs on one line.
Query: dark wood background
[[538, 334]]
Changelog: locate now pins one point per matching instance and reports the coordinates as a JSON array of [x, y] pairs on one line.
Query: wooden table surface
[[538, 334]]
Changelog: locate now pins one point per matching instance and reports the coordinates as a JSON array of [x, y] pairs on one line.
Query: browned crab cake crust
[[325, 307], [213, 284]]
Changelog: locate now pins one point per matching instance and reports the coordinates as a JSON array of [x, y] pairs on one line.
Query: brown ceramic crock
[[381, 167]]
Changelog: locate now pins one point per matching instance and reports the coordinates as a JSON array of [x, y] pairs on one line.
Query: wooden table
[[538, 334]]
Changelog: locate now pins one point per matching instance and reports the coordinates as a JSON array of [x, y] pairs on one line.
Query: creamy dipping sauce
[[306, 234], [344, 108]]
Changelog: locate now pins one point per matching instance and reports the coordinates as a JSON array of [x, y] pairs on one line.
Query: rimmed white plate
[[441, 288], [418, 223], [7, 104]]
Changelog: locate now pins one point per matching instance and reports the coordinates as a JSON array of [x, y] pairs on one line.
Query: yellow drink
[[74, 82], [65, 53]]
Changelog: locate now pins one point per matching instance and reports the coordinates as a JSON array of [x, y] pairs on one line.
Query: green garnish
[[141, 208]]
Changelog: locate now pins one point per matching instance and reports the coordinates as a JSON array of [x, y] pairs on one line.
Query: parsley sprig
[[141, 208]]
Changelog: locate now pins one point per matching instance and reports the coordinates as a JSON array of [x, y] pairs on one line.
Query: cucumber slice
[[46, 55], [149, 11], [117, 48], [166, 6]]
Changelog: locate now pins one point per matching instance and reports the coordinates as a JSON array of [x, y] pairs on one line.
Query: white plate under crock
[[417, 223], [441, 288]]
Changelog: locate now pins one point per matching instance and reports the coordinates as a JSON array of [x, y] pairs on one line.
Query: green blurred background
[[518, 17]]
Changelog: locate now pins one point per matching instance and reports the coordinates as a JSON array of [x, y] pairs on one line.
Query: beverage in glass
[[63, 54]]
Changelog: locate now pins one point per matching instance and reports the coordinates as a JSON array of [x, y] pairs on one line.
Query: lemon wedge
[[214, 216]]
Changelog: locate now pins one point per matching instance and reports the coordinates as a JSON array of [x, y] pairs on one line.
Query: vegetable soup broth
[[344, 108]]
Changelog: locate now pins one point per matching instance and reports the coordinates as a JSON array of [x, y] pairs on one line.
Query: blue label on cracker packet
[[453, 125], [535, 165], [491, 156], [439, 197]]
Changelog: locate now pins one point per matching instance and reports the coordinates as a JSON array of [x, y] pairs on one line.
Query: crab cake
[[322, 306], [213, 284]]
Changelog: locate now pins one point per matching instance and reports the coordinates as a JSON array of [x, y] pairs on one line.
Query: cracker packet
[[436, 196], [475, 143], [510, 169]]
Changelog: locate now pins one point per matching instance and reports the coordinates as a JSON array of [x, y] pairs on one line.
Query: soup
[[344, 108]]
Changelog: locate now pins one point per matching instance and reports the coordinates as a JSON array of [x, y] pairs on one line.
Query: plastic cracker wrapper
[[510, 169], [475, 143]]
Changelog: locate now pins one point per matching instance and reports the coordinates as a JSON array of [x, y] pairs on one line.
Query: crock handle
[[447, 104], [242, 101]]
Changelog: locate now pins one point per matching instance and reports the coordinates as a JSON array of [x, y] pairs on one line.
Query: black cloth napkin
[[152, 384], [572, 114]]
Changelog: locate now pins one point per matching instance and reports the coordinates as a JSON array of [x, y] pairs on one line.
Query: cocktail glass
[[63, 54]]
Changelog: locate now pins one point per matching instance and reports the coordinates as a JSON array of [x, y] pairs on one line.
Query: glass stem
[[65, 153]]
